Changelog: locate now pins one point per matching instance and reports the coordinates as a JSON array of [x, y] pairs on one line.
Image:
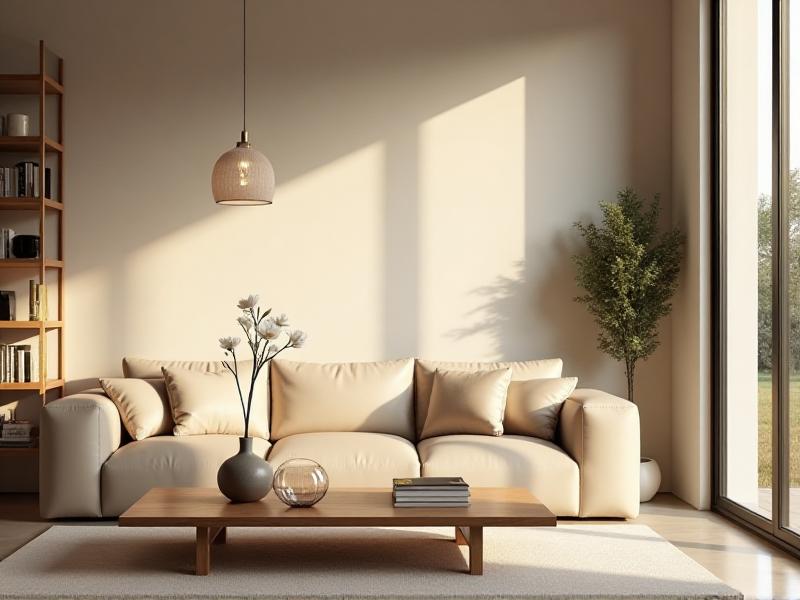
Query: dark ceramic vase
[[245, 477]]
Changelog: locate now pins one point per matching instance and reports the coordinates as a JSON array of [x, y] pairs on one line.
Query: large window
[[758, 264]]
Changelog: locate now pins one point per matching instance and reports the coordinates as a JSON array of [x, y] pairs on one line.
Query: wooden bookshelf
[[40, 147]]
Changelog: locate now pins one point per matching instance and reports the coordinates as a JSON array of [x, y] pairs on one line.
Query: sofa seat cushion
[[351, 459], [165, 461], [506, 461]]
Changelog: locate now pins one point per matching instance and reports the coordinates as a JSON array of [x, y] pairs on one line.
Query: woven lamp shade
[[243, 177]]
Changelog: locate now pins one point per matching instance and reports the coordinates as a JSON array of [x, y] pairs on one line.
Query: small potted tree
[[629, 273]]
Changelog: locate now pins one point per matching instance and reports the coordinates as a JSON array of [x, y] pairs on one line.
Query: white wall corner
[[691, 207]]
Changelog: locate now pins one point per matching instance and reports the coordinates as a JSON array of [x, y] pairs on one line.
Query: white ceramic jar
[[17, 124]]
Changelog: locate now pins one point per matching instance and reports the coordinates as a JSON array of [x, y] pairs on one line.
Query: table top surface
[[367, 507]]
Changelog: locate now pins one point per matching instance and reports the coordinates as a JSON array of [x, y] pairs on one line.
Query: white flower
[[268, 330], [249, 302], [229, 343], [281, 320], [272, 350], [297, 338], [246, 322]]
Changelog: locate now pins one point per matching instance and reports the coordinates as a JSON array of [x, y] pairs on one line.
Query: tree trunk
[[630, 365]]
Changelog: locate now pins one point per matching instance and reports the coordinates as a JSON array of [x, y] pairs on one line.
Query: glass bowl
[[300, 482]]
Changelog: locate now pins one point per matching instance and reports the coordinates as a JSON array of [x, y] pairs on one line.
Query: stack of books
[[16, 434], [430, 492]]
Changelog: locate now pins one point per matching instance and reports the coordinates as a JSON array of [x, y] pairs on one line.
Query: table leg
[[203, 551], [472, 537], [476, 550]]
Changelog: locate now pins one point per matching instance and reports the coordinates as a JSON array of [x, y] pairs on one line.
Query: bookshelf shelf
[[48, 325], [31, 451], [25, 84], [30, 143], [50, 384], [28, 203], [31, 263]]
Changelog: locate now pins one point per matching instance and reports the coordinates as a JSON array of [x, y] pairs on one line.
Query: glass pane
[[793, 195], [747, 139]]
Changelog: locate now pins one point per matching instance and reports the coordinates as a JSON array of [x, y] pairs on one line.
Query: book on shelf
[[22, 180], [6, 235], [31, 443], [17, 363]]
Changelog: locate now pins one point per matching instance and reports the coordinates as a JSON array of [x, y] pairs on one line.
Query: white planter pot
[[649, 479]]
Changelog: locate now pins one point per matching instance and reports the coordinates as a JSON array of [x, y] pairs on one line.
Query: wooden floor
[[737, 557]]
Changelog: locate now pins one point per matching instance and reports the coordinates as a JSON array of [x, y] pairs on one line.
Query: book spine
[[35, 181], [47, 188]]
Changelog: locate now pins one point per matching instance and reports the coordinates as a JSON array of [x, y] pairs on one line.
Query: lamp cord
[[244, 65]]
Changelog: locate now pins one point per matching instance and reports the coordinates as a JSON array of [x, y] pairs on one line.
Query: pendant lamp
[[243, 176]]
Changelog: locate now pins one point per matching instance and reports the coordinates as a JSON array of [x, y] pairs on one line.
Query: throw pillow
[[143, 405], [520, 371], [533, 406], [467, 402], [208, 403]]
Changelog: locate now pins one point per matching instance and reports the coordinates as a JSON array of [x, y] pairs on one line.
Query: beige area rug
[[570, 561]]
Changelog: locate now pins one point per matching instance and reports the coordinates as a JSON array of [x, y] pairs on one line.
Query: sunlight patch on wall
[[316, 254], [472, 217]]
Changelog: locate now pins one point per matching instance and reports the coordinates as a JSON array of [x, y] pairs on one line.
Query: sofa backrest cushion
[[374, 397], [520, 371], [143, 405], [208, 403], [147, 368]]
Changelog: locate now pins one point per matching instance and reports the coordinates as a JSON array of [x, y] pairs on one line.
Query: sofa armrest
[[77, 435], [601, 432]]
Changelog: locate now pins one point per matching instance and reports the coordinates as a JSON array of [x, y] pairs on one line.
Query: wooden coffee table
[[211, 513]]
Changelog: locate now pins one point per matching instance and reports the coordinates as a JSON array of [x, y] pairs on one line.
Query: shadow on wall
[[327, 81]]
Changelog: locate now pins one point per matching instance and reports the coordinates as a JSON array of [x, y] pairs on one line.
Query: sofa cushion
[[205, 403], [143, 405], [506, 461], [467, 402], [374, 397], [165, 461], [147, 368], [351, 459], [533, 406], [520, 371]]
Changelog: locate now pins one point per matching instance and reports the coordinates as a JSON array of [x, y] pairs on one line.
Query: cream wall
[[431, 158]]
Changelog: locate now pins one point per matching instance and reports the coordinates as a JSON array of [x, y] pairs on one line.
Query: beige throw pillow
[[520, 371], [467, 402], [143, 405], [533, 406], [207, 403]]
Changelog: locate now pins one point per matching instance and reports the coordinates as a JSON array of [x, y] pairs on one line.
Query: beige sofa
[[361, 422]]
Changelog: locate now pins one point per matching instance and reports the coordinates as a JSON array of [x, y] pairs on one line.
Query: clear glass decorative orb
[[300, 482]]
